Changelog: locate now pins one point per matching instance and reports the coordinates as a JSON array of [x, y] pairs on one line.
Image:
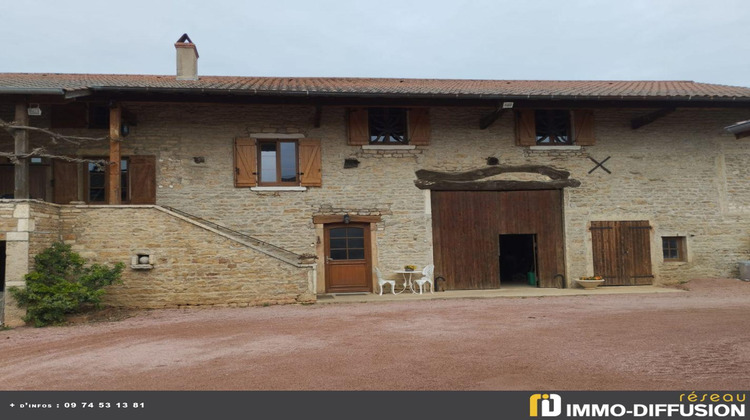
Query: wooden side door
[[622, 252], [348, 258]]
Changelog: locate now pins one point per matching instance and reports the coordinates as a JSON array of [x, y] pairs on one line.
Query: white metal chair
[[382, 281], [427, 274]]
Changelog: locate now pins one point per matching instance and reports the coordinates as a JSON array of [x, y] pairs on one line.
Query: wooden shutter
[[525, 128], [622, 252], [359, 132], [636, 246], [65, 181], [604, 243], [245, 162], [310, 163], [142, 172], [419, 126], [38, 181], [583, 123], [7, 180]]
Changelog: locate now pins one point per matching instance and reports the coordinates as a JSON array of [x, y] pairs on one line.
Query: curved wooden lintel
[[477, 174], [504, 185]]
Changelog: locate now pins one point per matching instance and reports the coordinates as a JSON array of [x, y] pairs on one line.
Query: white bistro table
[[406, 274]]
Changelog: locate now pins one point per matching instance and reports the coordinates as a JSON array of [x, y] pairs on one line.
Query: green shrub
[[61, 284]]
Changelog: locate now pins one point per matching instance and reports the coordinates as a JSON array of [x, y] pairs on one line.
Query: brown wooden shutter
[[525, 128], [622, 252], [142, 172], [245, 162], [419, 126], [583, 123], [604, 242], [65, 181], [636, 245], [7, 179], [359, 132], [310, 163]]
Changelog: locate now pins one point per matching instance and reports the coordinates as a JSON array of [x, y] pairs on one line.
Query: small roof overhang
[[740, 129]]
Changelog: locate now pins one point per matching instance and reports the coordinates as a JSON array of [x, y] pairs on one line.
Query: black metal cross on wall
[[600, 164]]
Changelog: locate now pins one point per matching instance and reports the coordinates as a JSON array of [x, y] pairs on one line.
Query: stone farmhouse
[[249, 190]]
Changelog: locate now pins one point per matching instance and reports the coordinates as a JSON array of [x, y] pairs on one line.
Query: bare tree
[[55, 138]]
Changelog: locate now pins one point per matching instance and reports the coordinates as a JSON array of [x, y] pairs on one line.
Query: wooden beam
[[639, 122], [21, 169], [490, 118], [333, 218], [487, 172], [113, 188], [495, 185]]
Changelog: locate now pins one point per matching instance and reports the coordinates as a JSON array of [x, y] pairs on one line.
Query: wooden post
[[21, 172], [115, 120]]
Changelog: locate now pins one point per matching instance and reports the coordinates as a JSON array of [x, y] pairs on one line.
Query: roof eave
[[394, 95], [31, 91]]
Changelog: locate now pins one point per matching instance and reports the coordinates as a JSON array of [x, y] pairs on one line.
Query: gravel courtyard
[[696, 339]]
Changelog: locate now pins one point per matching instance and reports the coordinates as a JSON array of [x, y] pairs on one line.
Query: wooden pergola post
[[115, 121], [21, 169]]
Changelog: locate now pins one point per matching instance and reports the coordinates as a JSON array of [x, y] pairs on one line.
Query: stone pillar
[[17, 262]]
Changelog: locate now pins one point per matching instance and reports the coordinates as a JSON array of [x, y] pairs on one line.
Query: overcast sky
[[706, 41]]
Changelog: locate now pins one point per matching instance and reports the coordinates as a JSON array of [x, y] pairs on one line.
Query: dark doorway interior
[[2, 267], [517, 260]]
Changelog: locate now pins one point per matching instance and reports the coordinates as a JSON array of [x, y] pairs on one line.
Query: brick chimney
[[187, 59]]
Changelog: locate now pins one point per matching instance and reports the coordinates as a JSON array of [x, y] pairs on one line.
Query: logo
[[551, 405]]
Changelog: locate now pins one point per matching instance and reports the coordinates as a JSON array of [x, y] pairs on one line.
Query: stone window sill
[[560, 148], [278, 189], [388, 147]]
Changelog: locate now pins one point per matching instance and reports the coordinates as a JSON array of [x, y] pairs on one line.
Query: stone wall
[[683, 173], [192, 265], [27, 226]]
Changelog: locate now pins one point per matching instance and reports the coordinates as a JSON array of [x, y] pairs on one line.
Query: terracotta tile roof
[[327, 86]]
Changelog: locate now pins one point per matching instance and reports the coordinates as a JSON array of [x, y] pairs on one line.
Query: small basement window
[[674, 248]]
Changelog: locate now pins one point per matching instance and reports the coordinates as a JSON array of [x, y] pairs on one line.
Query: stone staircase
[[239, 237]]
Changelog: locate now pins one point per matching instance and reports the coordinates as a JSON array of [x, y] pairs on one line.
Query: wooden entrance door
[[348, 263], [622, 252]]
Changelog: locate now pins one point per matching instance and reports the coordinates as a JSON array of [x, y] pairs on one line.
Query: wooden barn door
[[466, 229], [622, 252]]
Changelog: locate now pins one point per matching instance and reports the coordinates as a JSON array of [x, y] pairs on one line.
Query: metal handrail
[[217, 226]]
